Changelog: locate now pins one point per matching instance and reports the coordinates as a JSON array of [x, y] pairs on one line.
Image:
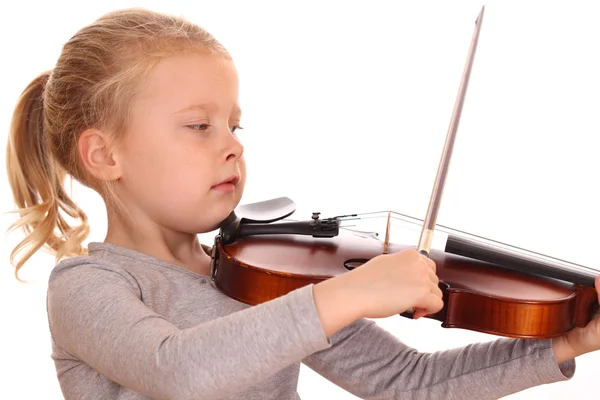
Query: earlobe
[[97, 157]]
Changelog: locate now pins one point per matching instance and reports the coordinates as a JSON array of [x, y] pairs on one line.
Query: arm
[[96, 315], [371, 363]]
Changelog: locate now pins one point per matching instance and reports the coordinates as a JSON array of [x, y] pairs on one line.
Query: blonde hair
[[92, 85]]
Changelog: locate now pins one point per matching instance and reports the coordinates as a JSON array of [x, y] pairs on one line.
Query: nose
[[233, 147]]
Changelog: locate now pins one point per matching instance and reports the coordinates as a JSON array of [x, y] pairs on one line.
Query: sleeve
[[371, 363], [96, 315]]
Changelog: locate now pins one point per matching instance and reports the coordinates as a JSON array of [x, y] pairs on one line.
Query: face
[[181, 162]]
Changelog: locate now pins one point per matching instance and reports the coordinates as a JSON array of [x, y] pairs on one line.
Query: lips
[[232, 180]]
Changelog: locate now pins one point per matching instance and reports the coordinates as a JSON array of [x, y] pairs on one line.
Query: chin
[[212, 213], [217, 216], [228, 205]]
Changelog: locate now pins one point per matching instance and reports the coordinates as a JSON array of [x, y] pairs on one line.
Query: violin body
[[478, 295]]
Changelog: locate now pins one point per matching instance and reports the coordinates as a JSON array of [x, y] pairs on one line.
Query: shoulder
[[86, 273], [87, 288]]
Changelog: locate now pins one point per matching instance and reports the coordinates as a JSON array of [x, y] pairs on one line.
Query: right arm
[[96, 315]]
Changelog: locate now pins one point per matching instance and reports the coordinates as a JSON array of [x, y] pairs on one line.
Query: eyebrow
[[206, 106]]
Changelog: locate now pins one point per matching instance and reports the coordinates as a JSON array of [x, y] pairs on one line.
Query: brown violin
[[260, 254], [489, 287]]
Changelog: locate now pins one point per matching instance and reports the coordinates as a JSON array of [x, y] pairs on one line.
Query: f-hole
[[354, 263]]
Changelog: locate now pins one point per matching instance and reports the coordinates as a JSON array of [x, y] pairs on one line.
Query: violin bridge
[[386, 243]]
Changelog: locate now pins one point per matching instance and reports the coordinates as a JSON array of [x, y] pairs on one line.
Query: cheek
[[243, 172], [158, 163], [180, 174], [144, 146]]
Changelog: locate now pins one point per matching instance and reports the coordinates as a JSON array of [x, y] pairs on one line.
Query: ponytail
[[37, 183]]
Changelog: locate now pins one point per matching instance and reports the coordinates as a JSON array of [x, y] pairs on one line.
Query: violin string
[[559, 264], [451, 231]]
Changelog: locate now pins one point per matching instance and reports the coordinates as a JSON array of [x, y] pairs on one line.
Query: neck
[[179, 248]]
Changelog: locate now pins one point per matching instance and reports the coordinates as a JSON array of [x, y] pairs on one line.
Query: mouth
[[227, 184]]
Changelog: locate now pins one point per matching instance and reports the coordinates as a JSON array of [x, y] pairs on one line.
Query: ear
[[96, 157]]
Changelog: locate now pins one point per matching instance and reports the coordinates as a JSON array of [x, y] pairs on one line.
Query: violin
[[260, 254], [489, 287]]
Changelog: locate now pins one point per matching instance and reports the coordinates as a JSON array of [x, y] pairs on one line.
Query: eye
[[235, 128], [199, 127]]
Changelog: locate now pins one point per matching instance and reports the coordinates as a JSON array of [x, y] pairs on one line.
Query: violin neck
[[521, 261]]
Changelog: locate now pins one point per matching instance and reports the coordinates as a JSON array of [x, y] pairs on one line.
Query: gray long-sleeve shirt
[[126, 325]]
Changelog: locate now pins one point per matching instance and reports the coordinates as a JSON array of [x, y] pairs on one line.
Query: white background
[[346, 107]]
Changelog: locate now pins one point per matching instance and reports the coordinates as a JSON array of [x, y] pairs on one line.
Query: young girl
[[143, 108]]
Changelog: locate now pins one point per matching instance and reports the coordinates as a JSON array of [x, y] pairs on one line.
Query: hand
[[579, 341], [393, 283], [387, 285]]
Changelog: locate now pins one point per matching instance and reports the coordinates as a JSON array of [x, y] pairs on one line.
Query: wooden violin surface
[[478, 295]]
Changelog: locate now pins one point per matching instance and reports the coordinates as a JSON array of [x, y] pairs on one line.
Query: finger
[[436, 291], [430, 306], [429, 262], [434, 304], [434, 278], [419, 312], [439, 305], [432, 265]]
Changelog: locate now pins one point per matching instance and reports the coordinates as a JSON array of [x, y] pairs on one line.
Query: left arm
[[371, 363]]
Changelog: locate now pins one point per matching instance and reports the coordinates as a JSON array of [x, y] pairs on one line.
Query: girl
[[143, 108]]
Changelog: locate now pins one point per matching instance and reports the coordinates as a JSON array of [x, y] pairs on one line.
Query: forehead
[[177, 82]]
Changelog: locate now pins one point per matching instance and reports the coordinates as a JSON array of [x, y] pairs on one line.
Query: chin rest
[[266, 211]]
